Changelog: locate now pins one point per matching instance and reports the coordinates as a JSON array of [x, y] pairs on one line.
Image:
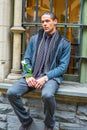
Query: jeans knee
[[47, 95], [10, 93]]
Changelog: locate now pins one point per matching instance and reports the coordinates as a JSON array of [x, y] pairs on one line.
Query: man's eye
[[47, 20]]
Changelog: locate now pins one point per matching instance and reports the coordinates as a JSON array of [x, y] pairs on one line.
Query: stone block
[[70, 126], [37, 113], [5, 67], [66, 106], [80, 119], [82, 109], [3, 117], [65, 116], [4, 34], [3, 125], [3, 99], [5, 52], [5, 108], [13, 122], [33, 102], [39, 125], [5, 12]]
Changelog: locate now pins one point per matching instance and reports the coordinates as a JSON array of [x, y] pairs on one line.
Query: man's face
[[48, 24]]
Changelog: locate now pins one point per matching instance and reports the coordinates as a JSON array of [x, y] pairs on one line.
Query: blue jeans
[[20, 88]]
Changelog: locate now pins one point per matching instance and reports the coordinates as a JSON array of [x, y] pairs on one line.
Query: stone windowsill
[[68, 91]]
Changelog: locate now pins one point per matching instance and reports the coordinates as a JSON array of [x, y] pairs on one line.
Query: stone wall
[[69, 115], [6, 13]]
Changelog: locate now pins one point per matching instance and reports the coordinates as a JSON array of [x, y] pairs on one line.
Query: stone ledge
[[68, 91]]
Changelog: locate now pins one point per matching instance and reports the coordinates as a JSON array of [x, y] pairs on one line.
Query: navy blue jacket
[[60, 61]]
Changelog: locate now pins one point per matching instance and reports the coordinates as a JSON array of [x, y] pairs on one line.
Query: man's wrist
[[46, 78]]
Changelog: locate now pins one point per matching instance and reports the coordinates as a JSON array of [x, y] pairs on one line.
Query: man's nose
[[44, 23]]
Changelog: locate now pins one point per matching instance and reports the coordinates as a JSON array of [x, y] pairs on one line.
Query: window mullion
[[66, 16], [51, 4]]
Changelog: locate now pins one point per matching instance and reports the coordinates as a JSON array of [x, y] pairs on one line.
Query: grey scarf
[[49, 55]]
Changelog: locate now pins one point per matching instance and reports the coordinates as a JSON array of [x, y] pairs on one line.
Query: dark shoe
[[26, 127], [48, 129], [55, 128]]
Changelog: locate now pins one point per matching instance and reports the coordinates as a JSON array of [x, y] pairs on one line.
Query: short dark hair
[[52, 14]]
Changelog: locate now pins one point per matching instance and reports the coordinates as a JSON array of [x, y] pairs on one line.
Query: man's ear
[[55, 21]]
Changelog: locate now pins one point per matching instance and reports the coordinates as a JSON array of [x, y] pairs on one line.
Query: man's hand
[[31, 82], [40, 82]]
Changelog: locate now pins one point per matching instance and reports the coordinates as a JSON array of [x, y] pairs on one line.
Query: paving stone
[[37, 113], [39, 125], [70, 126], [3, 125], [66, 106], [13, 123], [5, 108], [3, 117], [82, 109], [65, 116], [3, 98]]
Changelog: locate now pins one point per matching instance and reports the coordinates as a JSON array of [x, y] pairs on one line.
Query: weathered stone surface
[[3, 99], [13, 122], [81, 119], [37, 113], [70, 126], [70, 115], [84, 118], [37, 125], [65, 116], [3, 117], [32, 102], [5, 108], [66, 106], [82, 109], [3, 125]]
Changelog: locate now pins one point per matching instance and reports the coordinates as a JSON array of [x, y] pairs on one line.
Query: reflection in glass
[[67, 10], [73, 11], [59, 7], [73, 36], [33, 7]]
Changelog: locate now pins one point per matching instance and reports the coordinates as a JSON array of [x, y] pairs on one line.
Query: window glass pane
[[73, 66], [34, 11], [59, 7], [73, 11], [72, 33], [61, 29], [31, 11], [73, 36]]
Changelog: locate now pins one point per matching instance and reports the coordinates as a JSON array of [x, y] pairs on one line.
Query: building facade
[[19, 20]]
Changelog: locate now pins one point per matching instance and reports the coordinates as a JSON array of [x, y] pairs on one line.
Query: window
[[68, 12]]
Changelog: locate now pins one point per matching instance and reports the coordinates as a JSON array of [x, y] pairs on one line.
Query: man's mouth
[[46, 28]]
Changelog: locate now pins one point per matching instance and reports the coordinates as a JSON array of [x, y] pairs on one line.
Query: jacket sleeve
[[63, 62], [28, 56]]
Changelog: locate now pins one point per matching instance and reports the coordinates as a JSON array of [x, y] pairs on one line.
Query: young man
[[48, 55]]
